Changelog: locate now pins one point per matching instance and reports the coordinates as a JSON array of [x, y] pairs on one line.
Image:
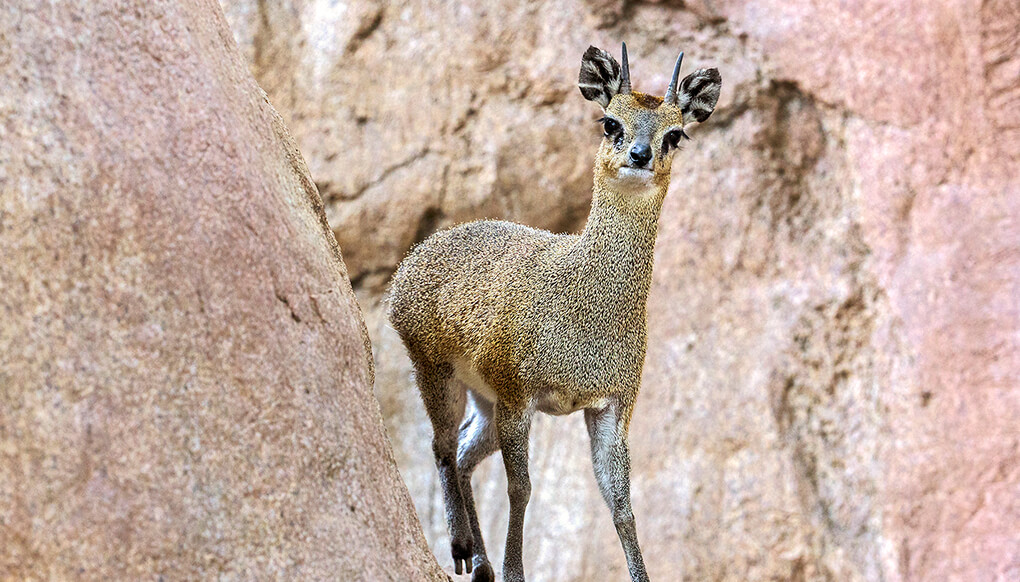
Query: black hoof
[[483, 573], [461, 552]]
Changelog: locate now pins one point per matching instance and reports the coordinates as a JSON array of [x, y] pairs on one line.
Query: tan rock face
[[831, 385], [185, 380]]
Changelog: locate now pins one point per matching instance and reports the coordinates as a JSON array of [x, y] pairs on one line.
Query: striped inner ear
[[699, 92], [600, 78]]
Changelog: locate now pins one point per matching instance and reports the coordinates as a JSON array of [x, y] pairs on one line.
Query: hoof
[[461, 552], [483, 573]]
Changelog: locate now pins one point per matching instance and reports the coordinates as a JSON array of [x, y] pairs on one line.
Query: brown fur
[[529, 320], [647, 101]]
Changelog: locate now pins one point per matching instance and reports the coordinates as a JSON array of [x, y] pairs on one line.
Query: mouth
[[630, 172]]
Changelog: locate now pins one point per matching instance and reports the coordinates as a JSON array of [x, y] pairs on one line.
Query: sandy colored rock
[[831, 386], [185, 379]]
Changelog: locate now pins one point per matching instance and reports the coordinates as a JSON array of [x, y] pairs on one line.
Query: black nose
[[640, 154]]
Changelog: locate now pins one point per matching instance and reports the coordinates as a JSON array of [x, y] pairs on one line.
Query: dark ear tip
[[701, 115]]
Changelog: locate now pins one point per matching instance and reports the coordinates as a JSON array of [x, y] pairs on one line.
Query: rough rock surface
[[185, 379], [831, 387]]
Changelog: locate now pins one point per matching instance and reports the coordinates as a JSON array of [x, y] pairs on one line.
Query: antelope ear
[[600, 76], [698, 94]]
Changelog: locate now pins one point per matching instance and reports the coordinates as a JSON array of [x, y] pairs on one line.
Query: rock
[[185, 375], [830, 390]]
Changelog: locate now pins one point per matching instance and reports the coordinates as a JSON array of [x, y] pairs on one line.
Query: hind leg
[[444, 403], [477, 441]]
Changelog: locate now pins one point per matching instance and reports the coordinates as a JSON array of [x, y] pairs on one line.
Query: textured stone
[[185, 376], [831, 386]]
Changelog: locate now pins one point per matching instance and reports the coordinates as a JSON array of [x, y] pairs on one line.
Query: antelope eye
[[611, 126], [672, 140]]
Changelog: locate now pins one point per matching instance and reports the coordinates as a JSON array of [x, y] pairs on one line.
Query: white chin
[[634, 175]]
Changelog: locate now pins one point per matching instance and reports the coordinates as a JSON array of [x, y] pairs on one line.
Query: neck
[[618, 242], [626, 222]]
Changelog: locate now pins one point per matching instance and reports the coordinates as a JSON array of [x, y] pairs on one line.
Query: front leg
[[513, 427], [611, 458]]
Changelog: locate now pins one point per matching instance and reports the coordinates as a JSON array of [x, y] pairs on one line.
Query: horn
[[671, 90], [625, 75]]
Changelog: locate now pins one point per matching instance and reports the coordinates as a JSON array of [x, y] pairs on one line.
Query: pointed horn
[[671, 91], [625, 75]]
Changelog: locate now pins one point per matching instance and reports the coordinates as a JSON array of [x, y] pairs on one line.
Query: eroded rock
[[185, 377]]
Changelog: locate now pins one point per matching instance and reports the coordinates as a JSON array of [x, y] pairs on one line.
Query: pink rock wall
[[831, 387], [185, 376]]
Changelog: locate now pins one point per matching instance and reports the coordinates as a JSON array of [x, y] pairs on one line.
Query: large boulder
[[185, 375], [831, 386]]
